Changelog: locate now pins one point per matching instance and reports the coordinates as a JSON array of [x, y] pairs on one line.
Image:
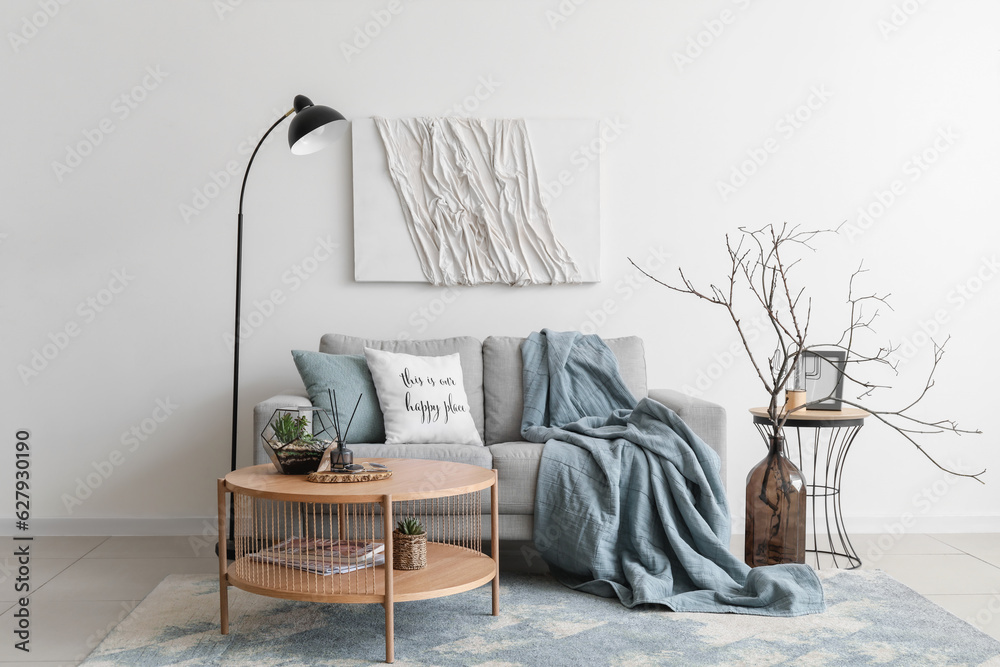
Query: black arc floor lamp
[[314, 128]]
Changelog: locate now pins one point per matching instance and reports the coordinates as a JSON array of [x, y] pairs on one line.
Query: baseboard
[[131, 526], [895, 525]]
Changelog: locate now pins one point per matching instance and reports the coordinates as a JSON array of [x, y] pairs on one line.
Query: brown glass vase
[[776, 510]]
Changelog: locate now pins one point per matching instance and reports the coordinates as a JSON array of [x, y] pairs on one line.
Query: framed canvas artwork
[[462, 201]]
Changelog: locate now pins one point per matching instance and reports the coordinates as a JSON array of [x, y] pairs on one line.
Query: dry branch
[[758, 263]]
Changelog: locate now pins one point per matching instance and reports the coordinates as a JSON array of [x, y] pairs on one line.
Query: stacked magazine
[[321, 556]]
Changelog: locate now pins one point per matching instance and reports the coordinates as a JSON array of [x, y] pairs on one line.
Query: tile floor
[[83, 586]]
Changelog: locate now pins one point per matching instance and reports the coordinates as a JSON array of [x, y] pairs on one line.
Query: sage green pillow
[[348, 375]]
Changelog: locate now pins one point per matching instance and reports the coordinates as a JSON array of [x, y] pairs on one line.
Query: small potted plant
[[409, 545], [293, 449]]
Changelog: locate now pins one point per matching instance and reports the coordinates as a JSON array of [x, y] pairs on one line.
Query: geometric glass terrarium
[[290, 441]]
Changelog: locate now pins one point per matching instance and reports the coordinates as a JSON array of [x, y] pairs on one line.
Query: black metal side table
[[823, 480]]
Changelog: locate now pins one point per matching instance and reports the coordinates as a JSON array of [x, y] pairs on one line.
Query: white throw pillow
[[423, 399]]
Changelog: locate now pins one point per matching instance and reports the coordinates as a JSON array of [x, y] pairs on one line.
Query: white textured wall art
[[475, 201]]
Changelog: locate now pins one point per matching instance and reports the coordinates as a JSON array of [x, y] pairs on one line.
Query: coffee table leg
[[495, 539], [223, 585], [387, 536]]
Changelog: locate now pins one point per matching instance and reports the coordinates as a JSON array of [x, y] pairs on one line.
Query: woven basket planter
[[409, 552]]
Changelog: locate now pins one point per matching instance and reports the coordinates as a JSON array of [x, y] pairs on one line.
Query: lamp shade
[[314, 127]]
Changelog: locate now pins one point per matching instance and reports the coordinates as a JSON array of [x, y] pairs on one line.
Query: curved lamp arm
[[254, 154], [239, 281], [314, 127]]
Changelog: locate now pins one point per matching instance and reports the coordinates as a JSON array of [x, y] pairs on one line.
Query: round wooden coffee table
[[271, 508]]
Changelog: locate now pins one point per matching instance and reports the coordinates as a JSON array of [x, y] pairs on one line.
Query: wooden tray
[[330, 476]]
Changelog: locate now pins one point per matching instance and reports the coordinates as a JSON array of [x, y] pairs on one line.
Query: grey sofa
[[492, 374]]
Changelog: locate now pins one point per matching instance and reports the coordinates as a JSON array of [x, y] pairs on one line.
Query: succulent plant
[[410, 526], [289, 429]]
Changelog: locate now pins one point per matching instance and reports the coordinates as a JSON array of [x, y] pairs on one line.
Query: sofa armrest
[[705, 418], [262, 413]]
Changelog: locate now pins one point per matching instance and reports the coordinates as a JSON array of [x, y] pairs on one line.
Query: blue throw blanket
[[629, 501]]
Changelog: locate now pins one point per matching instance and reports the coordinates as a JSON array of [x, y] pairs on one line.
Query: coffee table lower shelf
[[450, 570]]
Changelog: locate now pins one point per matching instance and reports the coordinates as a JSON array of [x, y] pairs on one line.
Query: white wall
[[225, 75]]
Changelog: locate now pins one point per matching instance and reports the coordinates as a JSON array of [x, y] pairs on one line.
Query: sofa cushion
[[477, 456], [351, 387], [469, 349], [423, 399], [517, 464], [503, 392]]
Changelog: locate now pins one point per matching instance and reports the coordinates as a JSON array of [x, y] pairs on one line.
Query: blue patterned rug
[[871, 619]]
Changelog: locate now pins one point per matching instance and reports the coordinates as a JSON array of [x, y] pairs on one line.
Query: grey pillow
[[348, 375]]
